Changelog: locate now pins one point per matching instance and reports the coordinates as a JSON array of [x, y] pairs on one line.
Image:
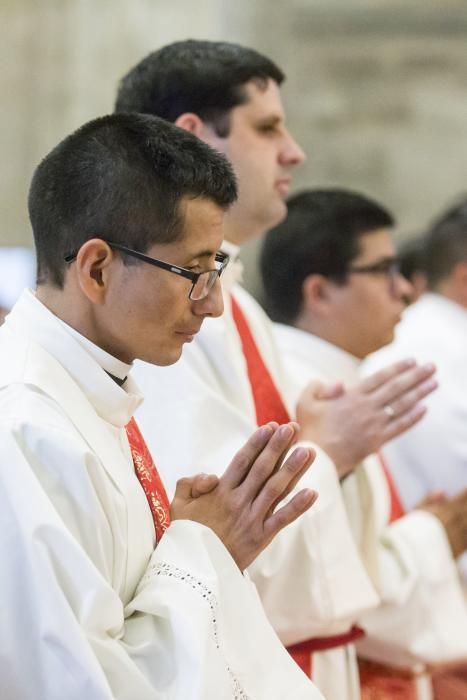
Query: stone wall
[[377, 95], [376, 91]]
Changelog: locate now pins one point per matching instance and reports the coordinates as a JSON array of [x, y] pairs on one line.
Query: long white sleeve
[[65, 631]]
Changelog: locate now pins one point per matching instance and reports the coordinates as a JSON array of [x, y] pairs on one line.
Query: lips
[[283, 185], [188, 335]]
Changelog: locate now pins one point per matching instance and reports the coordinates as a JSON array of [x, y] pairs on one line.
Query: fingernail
[[309, 495], [430, 367], [301, 455], [285, 431], [265, 432]]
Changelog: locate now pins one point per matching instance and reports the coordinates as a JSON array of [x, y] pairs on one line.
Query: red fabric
[[302, 652], [378, 682], [451, 684], [397, 509], [149, 479], [268, 402]]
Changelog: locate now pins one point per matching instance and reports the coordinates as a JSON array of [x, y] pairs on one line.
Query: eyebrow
[[384, 258], [270, 119], [203, 254]]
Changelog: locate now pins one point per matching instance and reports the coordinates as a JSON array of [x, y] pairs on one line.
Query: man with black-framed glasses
[[333, 286], [201, 282], [110, 591]]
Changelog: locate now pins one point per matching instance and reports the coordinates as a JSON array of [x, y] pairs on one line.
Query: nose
[[212, 304], [291, 154], [403, 287]]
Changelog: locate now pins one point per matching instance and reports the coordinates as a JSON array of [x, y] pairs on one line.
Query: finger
[[412, 396], [280, 484], [380, 378], [241, 464], [400, 424], [286, 515], [296, 428], [404, 382], [183, 488], [295, 480], [432, 499], [327, 392], [203, 484], [268, 461]]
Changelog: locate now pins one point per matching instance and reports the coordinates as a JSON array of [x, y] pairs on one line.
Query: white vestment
[[433, 455], [310, 579], [90, 608], [423, 614]]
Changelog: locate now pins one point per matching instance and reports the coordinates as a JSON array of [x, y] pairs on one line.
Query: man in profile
[[108, 591], [337, 296], [231, 379]]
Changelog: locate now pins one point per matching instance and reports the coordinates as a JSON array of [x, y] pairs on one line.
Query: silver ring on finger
[[389, 411]]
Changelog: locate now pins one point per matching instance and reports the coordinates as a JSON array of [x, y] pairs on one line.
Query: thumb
[[203, 484], [327, 392]]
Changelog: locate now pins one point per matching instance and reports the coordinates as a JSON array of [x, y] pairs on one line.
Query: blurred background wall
[[376, 90]]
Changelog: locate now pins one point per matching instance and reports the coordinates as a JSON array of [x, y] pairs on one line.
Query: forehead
[[263, 100], [375, 245], [202, 230]]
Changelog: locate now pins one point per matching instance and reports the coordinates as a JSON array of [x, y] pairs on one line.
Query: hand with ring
[[356, 422]]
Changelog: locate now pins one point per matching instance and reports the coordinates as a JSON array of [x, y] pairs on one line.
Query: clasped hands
[[242, 506], [350, 424]]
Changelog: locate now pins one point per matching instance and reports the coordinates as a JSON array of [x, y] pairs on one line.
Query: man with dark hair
[[434, 455], [108, 591], [411, 256], [230, 377], [337, 294]]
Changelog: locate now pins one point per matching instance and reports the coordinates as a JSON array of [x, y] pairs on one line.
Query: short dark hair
[[319, 236], [203, 77], [411, 255], [446, 243], [120, 177]]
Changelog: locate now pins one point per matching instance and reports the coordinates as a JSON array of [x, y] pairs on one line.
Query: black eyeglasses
[[202, 282], [390, 267]]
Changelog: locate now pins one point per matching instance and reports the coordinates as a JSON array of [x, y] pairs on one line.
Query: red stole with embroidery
[[149, 479]]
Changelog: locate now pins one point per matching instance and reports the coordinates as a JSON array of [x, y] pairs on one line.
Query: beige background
[[376, 89]]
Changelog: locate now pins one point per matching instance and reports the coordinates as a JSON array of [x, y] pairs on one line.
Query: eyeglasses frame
[[220, 257], [389, 267]]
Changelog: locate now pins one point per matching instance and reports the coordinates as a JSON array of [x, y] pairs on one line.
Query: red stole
[[149, 479], [270, 407], [268, 402], [396, 507]]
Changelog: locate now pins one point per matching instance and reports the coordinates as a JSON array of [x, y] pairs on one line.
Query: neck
[[450, 291], [240, 229]]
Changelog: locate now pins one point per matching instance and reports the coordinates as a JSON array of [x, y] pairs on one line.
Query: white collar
[[234, 271], [83, 360], [111, 364], [330, 361], [430, 302]]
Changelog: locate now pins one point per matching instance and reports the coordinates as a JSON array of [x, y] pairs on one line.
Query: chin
[[164, 359], [274, 217]]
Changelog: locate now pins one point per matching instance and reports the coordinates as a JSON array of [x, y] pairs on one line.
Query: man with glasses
[[311, 580], [108, 591], [436, 325], [333, 286]]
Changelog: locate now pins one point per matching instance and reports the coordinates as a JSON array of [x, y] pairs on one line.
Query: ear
[[192, 123], [459, 278], [203, 130], [93, 269], [316, 294]]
